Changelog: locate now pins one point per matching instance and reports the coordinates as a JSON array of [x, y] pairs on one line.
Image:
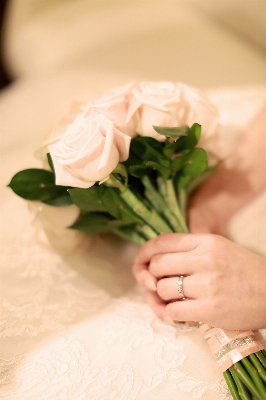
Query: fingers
[[167, 243], [174, 264], [188, 310], [144, 277], [167, 288], [156, 304], [169, 254]]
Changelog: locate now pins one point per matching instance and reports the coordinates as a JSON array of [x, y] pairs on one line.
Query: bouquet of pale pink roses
[[128, 163]]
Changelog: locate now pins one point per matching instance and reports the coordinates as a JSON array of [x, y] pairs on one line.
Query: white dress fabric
[[74, 325]]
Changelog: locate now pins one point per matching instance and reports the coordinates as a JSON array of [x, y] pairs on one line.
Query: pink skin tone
[[224, 283]]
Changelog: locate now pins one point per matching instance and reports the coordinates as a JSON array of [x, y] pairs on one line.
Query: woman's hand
[[224, 284]]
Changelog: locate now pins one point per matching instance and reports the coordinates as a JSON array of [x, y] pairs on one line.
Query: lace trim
[[64, 338]]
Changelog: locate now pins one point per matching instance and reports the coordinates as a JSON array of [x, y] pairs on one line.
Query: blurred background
[[56, 51]]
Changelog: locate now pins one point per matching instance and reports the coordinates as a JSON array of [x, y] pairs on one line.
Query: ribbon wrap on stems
[[229, 347]]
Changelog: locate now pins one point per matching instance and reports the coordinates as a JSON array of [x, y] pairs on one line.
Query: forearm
[[230, 188]]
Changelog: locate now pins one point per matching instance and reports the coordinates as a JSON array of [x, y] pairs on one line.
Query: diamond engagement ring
[[180, 286]]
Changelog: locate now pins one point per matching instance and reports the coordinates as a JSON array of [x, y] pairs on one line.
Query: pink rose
[[115, 105], [58, 131], [89, 150], [170, 104]]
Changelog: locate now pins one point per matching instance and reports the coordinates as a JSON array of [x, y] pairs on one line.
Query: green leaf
[[196, 163], [189, 167], [173, 132], [185, 143], [117, 207], [130, 233], [143, 169], [170, 149], [132, 160], [120, 173], [178, 163], [97, 223], [149, 149], [87, 199], [192, 163], [181, 181], [50, 162], [62, 200], [191, 140], [35, 184]]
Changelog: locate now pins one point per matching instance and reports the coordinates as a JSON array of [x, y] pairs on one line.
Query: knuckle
[[161, 242], [208, 260], [210, 241]]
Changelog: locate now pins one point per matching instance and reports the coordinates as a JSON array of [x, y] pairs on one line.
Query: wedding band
[[180, 286]]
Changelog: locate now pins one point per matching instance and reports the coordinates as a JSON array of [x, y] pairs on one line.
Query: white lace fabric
[[65, 337], [76, 326]]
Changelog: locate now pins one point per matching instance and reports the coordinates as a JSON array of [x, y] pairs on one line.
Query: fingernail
[[169, 320], [150, 285]]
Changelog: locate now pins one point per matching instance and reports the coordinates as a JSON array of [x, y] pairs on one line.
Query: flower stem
[[248, 380], [160, 204], [182, 196], [151, 217], [258, 366], [147, 231], [133, 236], [242, 390], [162, 187], [174, 206], [262, 359], [255, 376], [167, 191], [231, 384]]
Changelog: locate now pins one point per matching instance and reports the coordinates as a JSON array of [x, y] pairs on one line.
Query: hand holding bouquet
[[129, 161]]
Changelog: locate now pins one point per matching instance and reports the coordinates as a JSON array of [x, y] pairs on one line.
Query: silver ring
[[180, 286]]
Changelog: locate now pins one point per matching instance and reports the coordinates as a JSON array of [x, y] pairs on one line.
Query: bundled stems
[[182, 196], [228, 376], [133, 236], [175, 220], [151, 217], [179, 212], [258, 366], [262, 359], [244, 372], [255, 377], [242, 390], [147, 231]]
